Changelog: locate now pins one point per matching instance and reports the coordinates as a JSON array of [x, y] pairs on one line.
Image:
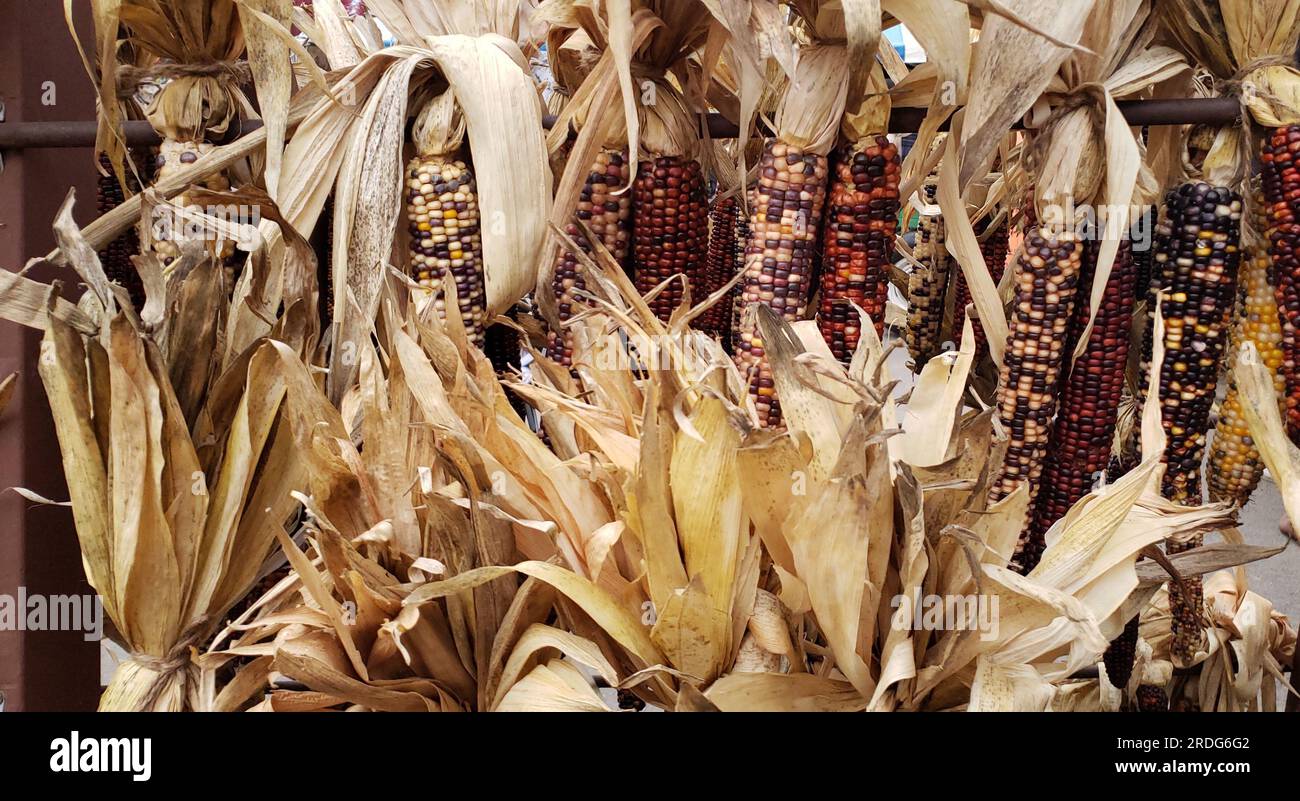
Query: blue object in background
[[909, 49]]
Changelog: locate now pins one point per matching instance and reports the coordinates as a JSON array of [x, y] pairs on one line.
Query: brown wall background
[[40, 671]]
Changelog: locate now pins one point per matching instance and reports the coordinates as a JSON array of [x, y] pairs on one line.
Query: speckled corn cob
[[1280, 180], [609, 216], [859, 249], [724, 259], [443, 216], [927, 284], [1160, 276], [1089, 401], [780, 257], [1198, 262], [1205, 224], [1235, 467], [1046, 280], [670, 229], [994, 249]]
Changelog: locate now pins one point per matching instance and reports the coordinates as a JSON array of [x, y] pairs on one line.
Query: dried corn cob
[[1198, 262], [993, 246], [1235, 467], [1046, 279], [1280, 181], [724, 259], [1027, 209], [859, 246], [1160, 278], [1205, 224], [324, 271], [609, 216], [670, 230], [116, 255], [737, 292], [443, 215], [1151, 698], [1142, 257], [927, 284], [779, 257], [1089, 402], [501, 345], [167, 231], [1120, 654]]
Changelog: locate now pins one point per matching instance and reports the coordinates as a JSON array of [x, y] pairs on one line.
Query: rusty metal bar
[[1189, 111]]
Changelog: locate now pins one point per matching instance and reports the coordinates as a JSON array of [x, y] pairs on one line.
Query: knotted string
[[176, 660]]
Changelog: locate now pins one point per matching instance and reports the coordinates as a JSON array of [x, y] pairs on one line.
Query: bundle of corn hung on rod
[[1089, 402], [1280, 182], [670, 207], [443, 215], [861, 223], [785, 215], [1235, 468], [779, 256], [1047, 276], [1198, 263], [927, 283], [196, 58]]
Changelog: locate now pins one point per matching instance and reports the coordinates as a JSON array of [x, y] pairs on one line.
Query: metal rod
[[81, 133]]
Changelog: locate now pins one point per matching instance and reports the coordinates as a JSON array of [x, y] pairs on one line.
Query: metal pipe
[[1179, 111], [81, 133]]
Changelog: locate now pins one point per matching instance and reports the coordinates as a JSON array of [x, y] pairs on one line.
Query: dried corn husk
[[1248, 49], [184, 472], [669, 594]]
